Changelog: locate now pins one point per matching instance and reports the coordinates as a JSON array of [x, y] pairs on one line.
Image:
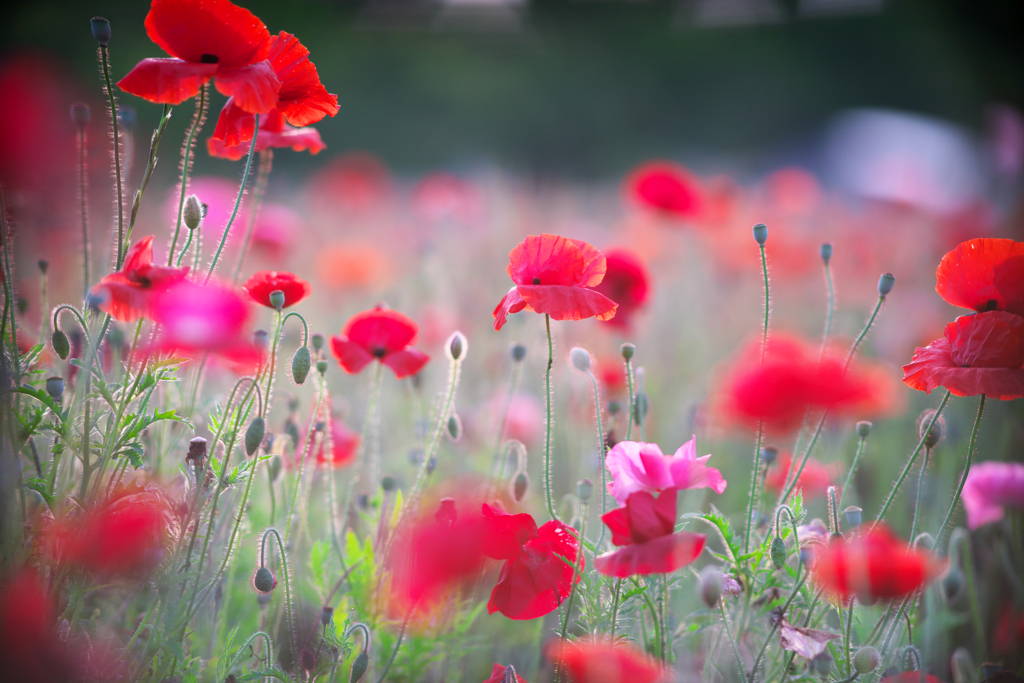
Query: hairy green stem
[[186, 164], [105, 60], [963, 479], [549, 501], [601, 447], [238, 200], [154, 146], [920, 489], [853, 468], [262, 176]]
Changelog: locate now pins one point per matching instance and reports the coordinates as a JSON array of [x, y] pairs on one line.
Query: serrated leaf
[[38, 485]]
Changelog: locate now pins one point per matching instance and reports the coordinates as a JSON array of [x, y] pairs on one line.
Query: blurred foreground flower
[[599, 661], [990, 488], [263, 283], [383, 335], [127, 294], [344, 445], [498, 675], [665, 187], [627, 283], [29, 648], [637, 466], [813, 482], [984, 274]]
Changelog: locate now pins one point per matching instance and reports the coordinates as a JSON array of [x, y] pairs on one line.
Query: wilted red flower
[[599, 661], [302, 100], [29, 647], [874, 565], [980, 354], [274, 132], [626, 283], [813, 482], [644, 527], [206, 38], [788, 383], [984, 274], [555, 275], [344, 446], [262, 283], [665, 186], [990, 488], [534, 580], [380, 334], [127, 294], [498, 675]]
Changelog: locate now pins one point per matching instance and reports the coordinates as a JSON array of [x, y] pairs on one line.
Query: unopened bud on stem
[[761, 233], [826, 252], [193, 212], [456, 345], [518, 352], [101, 30], [885, 284], [580, 358]]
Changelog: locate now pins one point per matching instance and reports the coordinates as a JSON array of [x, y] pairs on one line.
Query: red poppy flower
[[599, 661], [626, 283], [274, 132], [789, 382], [911, 677], [980, 354], [127, 294], [206, 39], [498, 675], [1009, 631], [814, 480], [383, 335], [534, 580], [344, 445], [302, 100], [874, 565], [984, 274], [667, 187], [29, 647], [261, 284], [644, 527], [555, 275]]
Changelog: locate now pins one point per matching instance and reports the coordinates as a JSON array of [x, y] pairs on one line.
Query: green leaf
[[39, 486], [134, 453], [43, 398]]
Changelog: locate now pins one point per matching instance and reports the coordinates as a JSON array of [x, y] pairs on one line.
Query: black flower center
[[991, 305], [379, 351], [207, 58], [536, 280]]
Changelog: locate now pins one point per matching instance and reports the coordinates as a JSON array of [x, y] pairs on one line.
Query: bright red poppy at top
[[555, 275], [128, 293], [599, 661], [666, 187], [979, 354], [627, 283], [984, 274], [263, 283], [206, 39], [383, 335], [645, 527]]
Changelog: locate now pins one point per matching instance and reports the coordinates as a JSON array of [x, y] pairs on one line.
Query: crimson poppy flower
[[128, 293], [644, 527], [534, 579], [980, 354], [262, 283], [789, 382], [555, 275], [637, 466], [498, 675], [911, 677], [814, 480], [874, 565], [667, 187], [984, 274], [626, 283], [380, 334], [302, 100], [206, 39], [989, 489], [344, 446], [600, 661], [29, 647], [274, 132]]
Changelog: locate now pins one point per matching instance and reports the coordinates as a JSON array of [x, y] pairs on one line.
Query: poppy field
[[358, 426]]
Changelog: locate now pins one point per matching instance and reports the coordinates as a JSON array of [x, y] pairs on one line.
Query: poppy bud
[[275, 467], [389, 483], [614, 407], [55, 387], [277, 299], [454, 427], [261, 340], [192, 213], [761, 233], [518, 352], [768, 454], [778, 552], [264, 580], [61, 345], [359, 666], [627, 350], [952, 584], [710, 586], [520, 485], [935, 433], [806, 556], [321, 367], [254, 435], [80, 114], [326, 615], [863, 429], [100, 30], [318, 341], [44, 265], [885, 284], [853, 515], [584, 489], [456, 345], [300, 364], [822, 664], [580, 358], [826, 252], [196, 453], [865, 660], [924, 540], [292, 430]]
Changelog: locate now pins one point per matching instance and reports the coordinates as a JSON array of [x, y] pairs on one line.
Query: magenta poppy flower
[[645, 528], [637, 466], [128, 293], [990, 487], [383, 335]]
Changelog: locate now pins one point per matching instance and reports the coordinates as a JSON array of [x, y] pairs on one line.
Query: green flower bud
[[710, 586], [863, 429], [761, 233], [865, 660], [454, 427], [277, 299], [359, 667], [614, 407], [628, 350], [778, 552], [580, 358], [61, 344], [55, 387], [318, 341], [300, 364], [885, 284], [264, 580], [192, 213], [389, 483], [822, 664], [456, 345], [261, 340], [275, 467], [584, 489], [520, 485], [321, 367], [254, 435], [853, 515], [952, 584], [326, 615], [826, 252], [935, 434]]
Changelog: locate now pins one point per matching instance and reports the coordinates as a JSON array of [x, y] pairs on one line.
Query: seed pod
[[863, 429], [388, 483], [520, 485], [261, 340], [318, 341], [264, 581], [710, 586], [454, 427], [769, 454], [865, 660], [778, 552], [100, 30], [580, 358], [885, 284], [584, 489], [55, 387], [326, 615], [518, 352], [456, 345], [254, 435], [359, 667], [614, 407], [321, 367], [277, 299], [192, 213], [44, 266], [853, 515], [761, 233], [301, 362], [826, 252], [61, 344], [627, 350]]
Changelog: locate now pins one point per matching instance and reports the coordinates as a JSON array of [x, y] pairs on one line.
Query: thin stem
[[775, 626], [305, 452], [289, 607], [266, 163], [615, 609], [848, 634], [920, 488], [750, 522], [105, 59], [238, 199], [629, 382], [828, 316], [186, 164], [601, 452], [732, 640], [972, 595], [666, 631], [853, 468], [575, 579], [398, 643], [82, 190], [967, 469], [548, 426], [767, 303], [654, 616], [254, 636], [158, 135]]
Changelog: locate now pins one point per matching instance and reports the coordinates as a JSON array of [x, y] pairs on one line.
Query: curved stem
[[186, 164], [853, 468], [83, 192], [154, 146], [917, 500], [967, 469], [629, 419], [601, 451], [238, 200], [254, 636], [184, 249], [305, 453], [105, 59], [266, 162], [750, 522], [287, 583], [548, 426], [305, 325], [398, 643], [767, 303]]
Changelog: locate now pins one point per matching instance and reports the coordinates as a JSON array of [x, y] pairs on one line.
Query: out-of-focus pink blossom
[[989, 488], [356, 182], [442, 197], [637, 466], [525, 419]]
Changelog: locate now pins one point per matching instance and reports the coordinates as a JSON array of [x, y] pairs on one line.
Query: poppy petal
[[536, 581], [659, 556], [140, 254], [234, 125], [551, 259], [196, 29], [512, 302], [618, 523], [506, 534], [303, 99], [352, 356], [594, 264], [983, 274], [166, 81], [568, 303], [405, 362], [253, 87], [381, 328]]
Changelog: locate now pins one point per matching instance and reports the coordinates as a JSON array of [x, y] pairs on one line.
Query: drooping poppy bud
[[952, 584], [359, 667], [301, 363], [885, 284], [254, 435], [865, 660], [778, 552], [264, 580], [456, 345], [275, 467], [61, 344], [761, 233], [520, 485], [711, 586], [454, 427], [822, 664], [935, 433], [580, 358], [100, 30], [193, 212], [55, 387]]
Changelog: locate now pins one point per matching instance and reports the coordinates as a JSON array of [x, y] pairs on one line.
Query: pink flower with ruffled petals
[[637, 466], [989, 488]]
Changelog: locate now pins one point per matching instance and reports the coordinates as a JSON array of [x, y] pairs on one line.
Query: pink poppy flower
[[383, 335], [637, 466], [989, 488]]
